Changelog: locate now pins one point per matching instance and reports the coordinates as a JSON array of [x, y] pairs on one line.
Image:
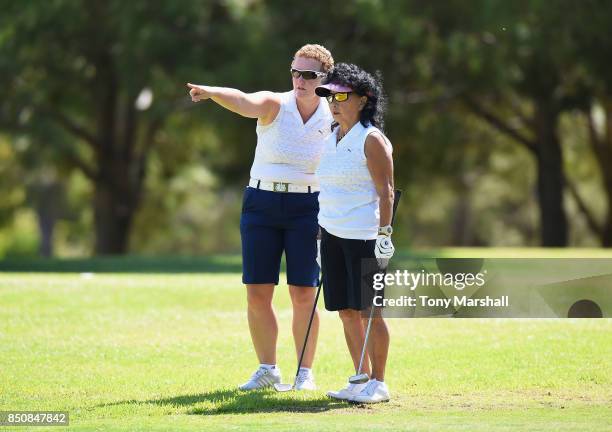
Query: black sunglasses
[[306, 74]]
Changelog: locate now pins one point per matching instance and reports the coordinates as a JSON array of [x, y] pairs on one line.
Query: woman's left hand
[[384, 249]]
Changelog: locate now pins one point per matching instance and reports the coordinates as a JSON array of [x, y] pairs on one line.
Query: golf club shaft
[[365, 342], [314, 308], [396, 197]]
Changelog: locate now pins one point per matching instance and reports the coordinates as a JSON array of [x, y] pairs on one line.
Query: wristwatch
[[385, 230]]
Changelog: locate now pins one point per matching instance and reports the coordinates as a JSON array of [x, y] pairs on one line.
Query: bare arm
[[263, 105], [380, 163]]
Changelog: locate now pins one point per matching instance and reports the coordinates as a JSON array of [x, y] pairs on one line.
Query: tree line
[[97, 88]]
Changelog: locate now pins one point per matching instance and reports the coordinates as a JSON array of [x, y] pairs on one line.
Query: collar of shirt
[[318, 115]]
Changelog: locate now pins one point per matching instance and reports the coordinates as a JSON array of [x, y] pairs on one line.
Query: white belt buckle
[[280, 187]]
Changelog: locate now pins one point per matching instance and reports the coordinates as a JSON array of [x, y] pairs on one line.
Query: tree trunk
[[461, 234], [47, 196], [113, 216], [606, 235], [118, 191], [121, 171], [46, 225], [606, 168], [553, 220], [117, 195], [605, 164]]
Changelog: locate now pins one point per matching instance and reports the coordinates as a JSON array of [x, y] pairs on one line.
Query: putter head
[[359, 379], [280, 387]]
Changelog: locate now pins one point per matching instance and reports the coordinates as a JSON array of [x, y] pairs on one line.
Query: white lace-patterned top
[[348, 201], [288, 150]]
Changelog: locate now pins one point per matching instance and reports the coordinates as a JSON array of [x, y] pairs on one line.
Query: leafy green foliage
[[475, 88]]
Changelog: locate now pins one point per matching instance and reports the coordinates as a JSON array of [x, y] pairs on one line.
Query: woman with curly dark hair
[[355, 210]]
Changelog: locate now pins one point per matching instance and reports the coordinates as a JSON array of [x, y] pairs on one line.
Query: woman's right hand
[[262, 105], [198, 92]]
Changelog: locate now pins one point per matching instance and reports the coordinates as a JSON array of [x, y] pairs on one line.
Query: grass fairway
[[165, 351]]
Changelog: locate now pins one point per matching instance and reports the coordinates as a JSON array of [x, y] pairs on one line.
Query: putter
[[283, 387], [361, 378]]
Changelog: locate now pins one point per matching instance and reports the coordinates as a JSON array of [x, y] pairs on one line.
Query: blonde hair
[[317, 52]]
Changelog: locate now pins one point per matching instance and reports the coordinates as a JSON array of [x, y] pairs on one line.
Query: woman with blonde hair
[[280, 206]]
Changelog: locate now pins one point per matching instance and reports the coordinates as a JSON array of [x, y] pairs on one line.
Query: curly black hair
[[364, 84]]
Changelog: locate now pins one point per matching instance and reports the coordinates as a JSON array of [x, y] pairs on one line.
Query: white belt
[[282, 187]]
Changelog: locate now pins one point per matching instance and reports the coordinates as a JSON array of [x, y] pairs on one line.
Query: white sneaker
[[374, 392], [262, 378], [305, 380], [348, 392]]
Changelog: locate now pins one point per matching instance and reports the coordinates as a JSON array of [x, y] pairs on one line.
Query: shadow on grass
[[127, 264], [238, 402]]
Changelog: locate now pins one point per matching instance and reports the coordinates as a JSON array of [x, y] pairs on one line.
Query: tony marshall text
[[455, 301]]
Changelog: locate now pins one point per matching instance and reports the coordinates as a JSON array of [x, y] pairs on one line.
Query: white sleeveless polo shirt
[[348, 201], [288, 150]]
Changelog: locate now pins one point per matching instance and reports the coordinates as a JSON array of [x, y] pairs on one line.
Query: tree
[[507, 63], [106, 72], [589, 23], [515, 66]]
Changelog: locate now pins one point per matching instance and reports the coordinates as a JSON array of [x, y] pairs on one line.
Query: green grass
[[165, 352]]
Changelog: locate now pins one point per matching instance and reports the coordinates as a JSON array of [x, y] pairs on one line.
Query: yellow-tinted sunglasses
[[338, 97]]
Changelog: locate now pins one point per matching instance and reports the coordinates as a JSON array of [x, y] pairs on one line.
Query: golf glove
[[383, 251], [319, 252]]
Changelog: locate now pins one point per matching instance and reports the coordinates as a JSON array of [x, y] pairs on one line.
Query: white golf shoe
[[348, 392], [305, 380], [374, 392], [262, 378]]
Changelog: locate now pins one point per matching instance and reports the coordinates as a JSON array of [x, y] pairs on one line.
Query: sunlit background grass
[[165, 351]]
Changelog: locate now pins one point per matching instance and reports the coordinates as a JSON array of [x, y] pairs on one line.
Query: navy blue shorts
[[275, 222]]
